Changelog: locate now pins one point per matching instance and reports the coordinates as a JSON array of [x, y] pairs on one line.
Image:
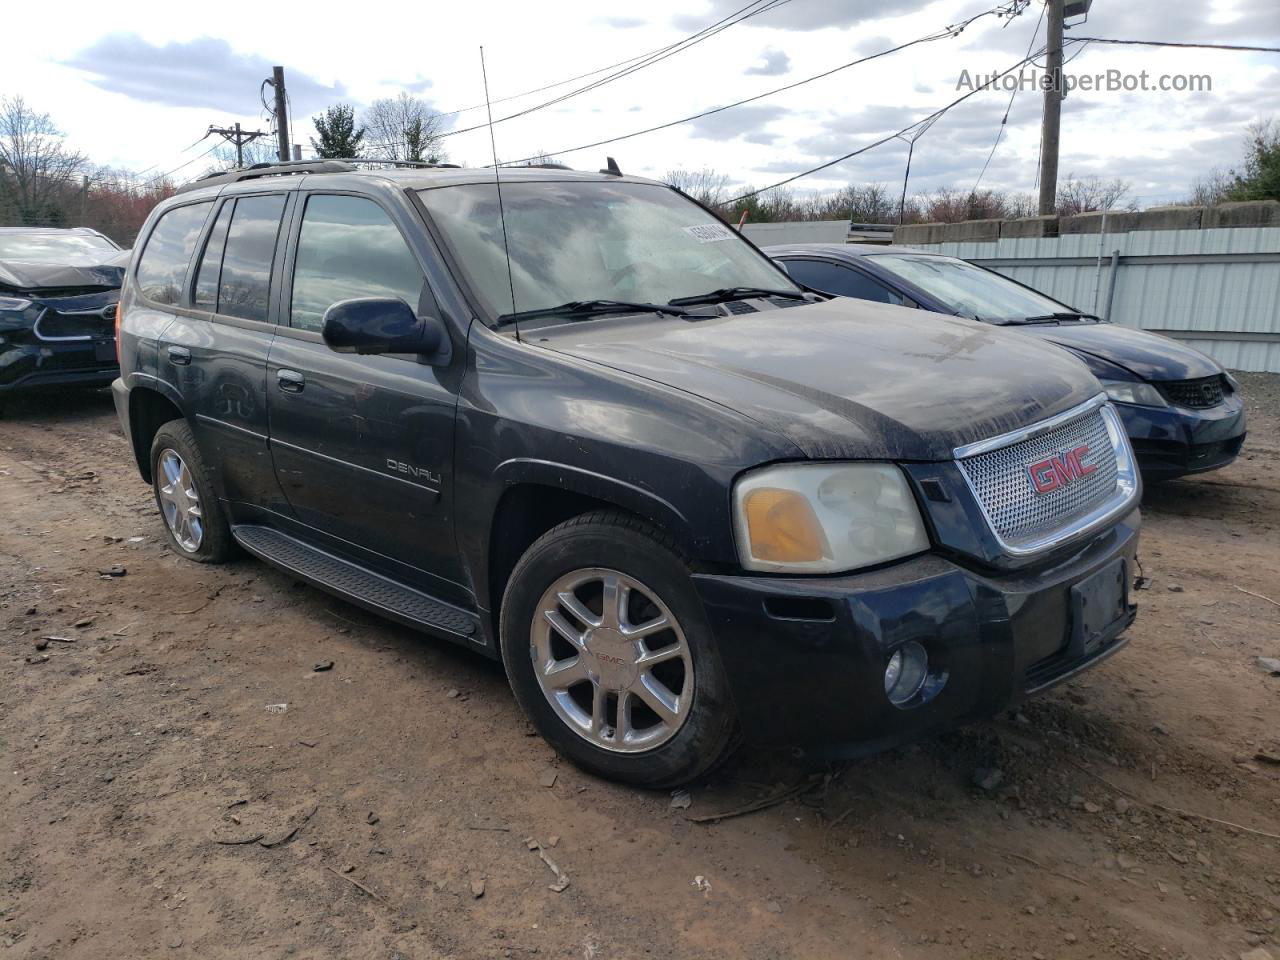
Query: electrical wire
[[1170, 43], [738, 16], [951, 31], [883, 140], [1007, 110], [583, 76]]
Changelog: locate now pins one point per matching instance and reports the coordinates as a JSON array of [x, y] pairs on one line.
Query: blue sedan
[[1183, 411]]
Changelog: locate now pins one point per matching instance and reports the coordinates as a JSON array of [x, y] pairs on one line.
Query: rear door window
[[244, 289], [349, 248], [840, 280], [163, 268], [210, 270]]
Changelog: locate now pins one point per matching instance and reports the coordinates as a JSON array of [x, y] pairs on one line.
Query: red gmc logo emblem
[[1060, 470]]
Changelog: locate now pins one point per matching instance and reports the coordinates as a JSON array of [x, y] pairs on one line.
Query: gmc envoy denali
[[581, 425]]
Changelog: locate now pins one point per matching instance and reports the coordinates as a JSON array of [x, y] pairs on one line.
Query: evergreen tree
[[338, 134]]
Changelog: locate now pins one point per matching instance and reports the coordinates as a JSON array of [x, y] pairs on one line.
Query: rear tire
[[194, 521], [638, 695]]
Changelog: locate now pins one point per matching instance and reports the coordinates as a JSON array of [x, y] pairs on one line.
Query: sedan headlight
[[825, 517], [17, 314], [1127, 391]]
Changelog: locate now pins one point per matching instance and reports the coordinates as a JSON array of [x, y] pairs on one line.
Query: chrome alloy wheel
[[180, 502], [611, 660]]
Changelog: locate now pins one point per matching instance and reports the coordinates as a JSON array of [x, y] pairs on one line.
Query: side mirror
[[380, 325]]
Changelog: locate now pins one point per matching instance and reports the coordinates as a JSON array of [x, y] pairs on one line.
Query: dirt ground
[[156, 802]]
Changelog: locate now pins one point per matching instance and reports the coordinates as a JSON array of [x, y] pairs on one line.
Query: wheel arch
[[538, 495], [151, 406]]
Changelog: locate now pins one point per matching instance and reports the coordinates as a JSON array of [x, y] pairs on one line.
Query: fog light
[[906, 673]]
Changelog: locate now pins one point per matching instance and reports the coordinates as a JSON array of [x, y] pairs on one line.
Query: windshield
[[967, 289], [576, 241], [74, 249]]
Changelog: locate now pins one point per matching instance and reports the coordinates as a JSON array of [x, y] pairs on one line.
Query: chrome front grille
[[1032, 493]]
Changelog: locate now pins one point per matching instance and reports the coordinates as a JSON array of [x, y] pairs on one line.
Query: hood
[[846, 378], [1147, 355], [30, 275]]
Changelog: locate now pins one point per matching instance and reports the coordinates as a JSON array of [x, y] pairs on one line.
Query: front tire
[[193, 517], [610, 656]]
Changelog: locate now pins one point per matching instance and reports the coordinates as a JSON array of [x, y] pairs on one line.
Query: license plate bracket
[[1097, 603], [104, 350]]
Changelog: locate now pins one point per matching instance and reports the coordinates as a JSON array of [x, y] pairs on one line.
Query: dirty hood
[[1147, 355], [28, 275], [846, 378]]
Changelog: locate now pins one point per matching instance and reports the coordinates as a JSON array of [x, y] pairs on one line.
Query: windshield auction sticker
[[709, 232]]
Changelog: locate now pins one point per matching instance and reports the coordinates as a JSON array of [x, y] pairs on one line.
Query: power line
[[989, 82], [581, 76], [1170, 43], [1008, 109], [1008, 9], [739, 15]]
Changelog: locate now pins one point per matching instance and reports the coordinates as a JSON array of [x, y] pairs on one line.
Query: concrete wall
[[816, 231]]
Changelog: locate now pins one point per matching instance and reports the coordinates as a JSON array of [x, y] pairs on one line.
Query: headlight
[[1125, 391], [825, 517], [17, 314]]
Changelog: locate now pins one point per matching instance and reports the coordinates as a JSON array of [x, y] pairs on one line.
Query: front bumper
[[1174, 441], [77, 363], [806, 656]]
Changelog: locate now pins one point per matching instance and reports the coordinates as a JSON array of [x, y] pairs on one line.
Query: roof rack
[[292, 167]]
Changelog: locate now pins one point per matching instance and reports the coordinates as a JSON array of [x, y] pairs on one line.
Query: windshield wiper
[[1064, 315], [589, 308], [736, 293]]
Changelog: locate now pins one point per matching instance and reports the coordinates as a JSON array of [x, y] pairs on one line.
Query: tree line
[[44, 181]]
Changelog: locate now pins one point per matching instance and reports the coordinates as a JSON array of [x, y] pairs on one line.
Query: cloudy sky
[[136, 88]]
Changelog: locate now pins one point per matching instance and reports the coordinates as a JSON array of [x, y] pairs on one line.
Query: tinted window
[[349, 248], [245, 287], [842, 281], [163, 266], [211, 263]]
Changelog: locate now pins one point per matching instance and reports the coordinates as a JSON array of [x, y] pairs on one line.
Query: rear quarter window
[[163, 268]]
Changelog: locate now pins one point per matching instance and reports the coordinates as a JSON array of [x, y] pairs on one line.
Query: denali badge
[[1060, 470]]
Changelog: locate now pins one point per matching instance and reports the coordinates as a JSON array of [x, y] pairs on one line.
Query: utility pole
[[282, 114], [238, 137], [1052, 107]]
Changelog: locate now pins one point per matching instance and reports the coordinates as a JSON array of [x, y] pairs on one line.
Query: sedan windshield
[[969, 290], [577, 242], [73, 249]]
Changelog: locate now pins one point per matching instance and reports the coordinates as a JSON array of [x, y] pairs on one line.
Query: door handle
[[290, 381], [179, 355]]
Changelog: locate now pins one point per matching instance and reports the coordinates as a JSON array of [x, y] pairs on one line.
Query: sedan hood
[[1148, 355], [30, 276], [846, 378]]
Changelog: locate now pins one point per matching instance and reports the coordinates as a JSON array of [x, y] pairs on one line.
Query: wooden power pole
[[282, 112], [238, 137], [1052, 107]]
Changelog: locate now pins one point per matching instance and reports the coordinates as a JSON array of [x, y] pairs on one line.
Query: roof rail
[[279, 168], [286, 167]]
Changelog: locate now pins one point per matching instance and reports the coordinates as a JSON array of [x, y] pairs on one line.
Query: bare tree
[[707, 186], [1087, 194], [404, 128], [36, 167], [540, 159], [1212, 188], [255, 151]]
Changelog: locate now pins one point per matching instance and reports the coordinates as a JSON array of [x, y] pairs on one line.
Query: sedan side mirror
[[380, 325]]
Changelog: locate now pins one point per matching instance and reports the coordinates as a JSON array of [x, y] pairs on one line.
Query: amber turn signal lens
[[782, 527]]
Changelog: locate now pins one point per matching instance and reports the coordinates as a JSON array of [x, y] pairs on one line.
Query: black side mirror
[[380, 325]]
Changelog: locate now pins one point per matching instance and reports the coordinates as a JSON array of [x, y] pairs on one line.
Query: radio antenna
[[497, 182]]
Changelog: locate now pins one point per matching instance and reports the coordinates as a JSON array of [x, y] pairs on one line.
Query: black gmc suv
[[581, 425]]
